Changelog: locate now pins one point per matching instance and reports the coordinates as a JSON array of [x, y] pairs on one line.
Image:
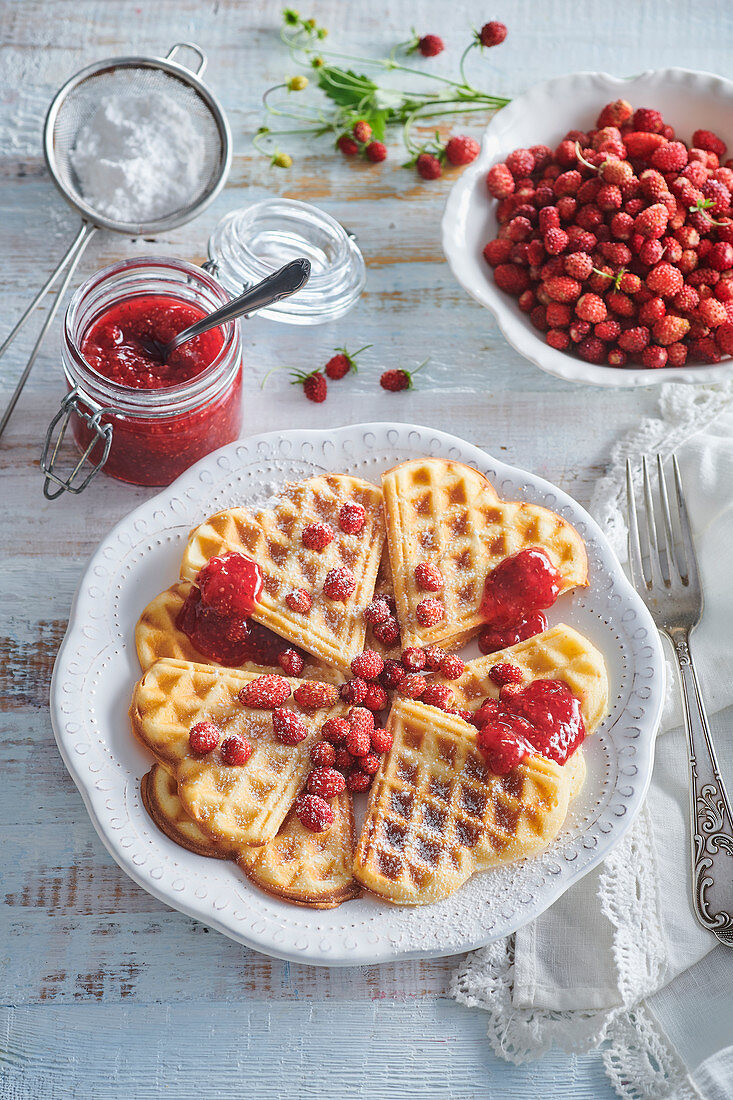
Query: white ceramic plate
[[543, 115], [97, 667]]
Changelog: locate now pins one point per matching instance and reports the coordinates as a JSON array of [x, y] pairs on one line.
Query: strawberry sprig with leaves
[[358, 108]]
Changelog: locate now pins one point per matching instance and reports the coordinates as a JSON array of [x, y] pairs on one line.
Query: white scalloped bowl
[[687, 99]]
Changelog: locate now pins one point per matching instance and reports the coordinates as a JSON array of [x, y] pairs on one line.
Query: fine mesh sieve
[[161, 80]]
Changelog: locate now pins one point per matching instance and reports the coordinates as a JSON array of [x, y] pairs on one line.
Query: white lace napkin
[[620, 959]]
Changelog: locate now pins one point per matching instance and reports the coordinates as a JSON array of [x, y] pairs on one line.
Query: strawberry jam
[[118, 345], [515, 594], [542, 717], [216, 614]]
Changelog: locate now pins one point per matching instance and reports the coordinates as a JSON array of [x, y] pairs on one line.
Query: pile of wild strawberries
[[619, 242]]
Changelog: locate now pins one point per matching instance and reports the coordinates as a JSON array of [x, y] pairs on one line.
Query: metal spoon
[[281, 284]]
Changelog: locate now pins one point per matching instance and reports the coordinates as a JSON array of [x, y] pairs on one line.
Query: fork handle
[[711, 819]]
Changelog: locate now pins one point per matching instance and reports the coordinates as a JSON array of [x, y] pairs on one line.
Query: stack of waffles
[[436, 813]]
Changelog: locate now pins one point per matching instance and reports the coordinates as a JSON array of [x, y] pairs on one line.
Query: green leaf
[[345, 87], [378, 122]]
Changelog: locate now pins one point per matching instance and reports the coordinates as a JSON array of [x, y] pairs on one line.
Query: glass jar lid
[[253, 241]]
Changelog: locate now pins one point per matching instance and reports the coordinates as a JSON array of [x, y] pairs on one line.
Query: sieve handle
[[69, 261], [203, 59]]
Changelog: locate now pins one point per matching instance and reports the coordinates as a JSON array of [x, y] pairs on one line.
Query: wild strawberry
[[428, 577], [361, 727], [706, 139], [396, 380], [578, 331], [651, 251], [615, 114], [354, 691], [367, 665], [634, 339], [687, 300], [500, 182], [520, 229], [555, 241], [461, 150], [622, 226], [362, 131], [510, 278], [616, 357], [325, 782], [557, 338], [609, 198], [720, 256], [313, 813], [712, 312], [615, 172], [334, 730], [671, 157], [339, 365], [608, 331], [640, 145], [339, 584], [558, 314], [299, 600], [316, 536], [203, 737], [265, 693], [357, 780], [376, 697], [352, 518], [347, 145], [430, 45], [590, 307], [506, 674], [486, 713], [670, 329], [376, 152], [377, 610], [314, 385], [236, 751], [288, 726], [665, 280], [438, 695], [562, 288], [428, 166], [492, 34], [677, 355], [323, 754], [369, 763], [549, 218], [578, 265], [413, 685], [429, 612], [654, 357], [291, 662], [567, 183], [452, 667], [312, 694], [387, 632], [414, 659], [591, 349], [344, 760], [520, 163], [381, 740], [497, 251], [652, 222], [724, 337]]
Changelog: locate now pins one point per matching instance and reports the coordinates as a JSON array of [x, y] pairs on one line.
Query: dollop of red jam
[[116, 344], [231, 584], [542, 717], [215, 616], [519, 586], [493, 638]]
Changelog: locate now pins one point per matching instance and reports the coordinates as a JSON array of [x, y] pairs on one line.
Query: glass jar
[[144, 436], [251, 242]]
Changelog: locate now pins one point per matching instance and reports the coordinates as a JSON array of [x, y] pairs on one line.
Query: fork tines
[[661, 550]]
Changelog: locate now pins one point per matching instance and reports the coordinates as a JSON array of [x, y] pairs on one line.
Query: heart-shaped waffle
[[331, 629], [450, 516], [298, 865], [158, 635], [560, 653], [234, 805], [437, 814]]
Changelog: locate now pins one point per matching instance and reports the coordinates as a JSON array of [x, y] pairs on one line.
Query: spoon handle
[[274, 288]]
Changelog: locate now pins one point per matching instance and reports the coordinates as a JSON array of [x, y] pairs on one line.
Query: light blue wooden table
[[104, 992]]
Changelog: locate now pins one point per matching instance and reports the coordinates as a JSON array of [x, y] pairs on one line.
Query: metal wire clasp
[[101, 433]]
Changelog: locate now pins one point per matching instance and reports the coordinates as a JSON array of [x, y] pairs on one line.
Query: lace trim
[[684, 411], [642, 1064]]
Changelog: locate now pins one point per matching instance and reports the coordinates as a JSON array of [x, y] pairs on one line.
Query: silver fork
[[665, 574]]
